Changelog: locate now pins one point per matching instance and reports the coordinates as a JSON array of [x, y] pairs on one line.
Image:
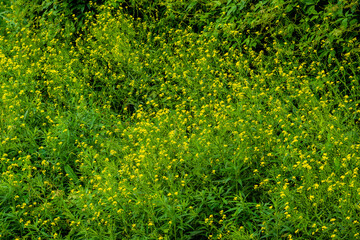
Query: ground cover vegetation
[[126, 119]]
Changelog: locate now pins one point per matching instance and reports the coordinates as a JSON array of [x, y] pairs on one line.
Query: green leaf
[[290, 29], [337, 164], [309, 2], [344, 23], [353, 22], [217, 4], [289, 8], [323, 54], [191, 5], [314, 17], [71, 173], [231, 10], [242, 5], [311, 10], [246, 41]]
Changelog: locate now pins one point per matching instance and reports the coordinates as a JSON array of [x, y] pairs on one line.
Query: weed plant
[[180, 120]]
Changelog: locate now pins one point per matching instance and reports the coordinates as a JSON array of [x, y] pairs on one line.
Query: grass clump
[[180, 120]]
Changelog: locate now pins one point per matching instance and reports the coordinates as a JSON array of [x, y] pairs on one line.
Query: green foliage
[[60, 13], [179, 120]]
